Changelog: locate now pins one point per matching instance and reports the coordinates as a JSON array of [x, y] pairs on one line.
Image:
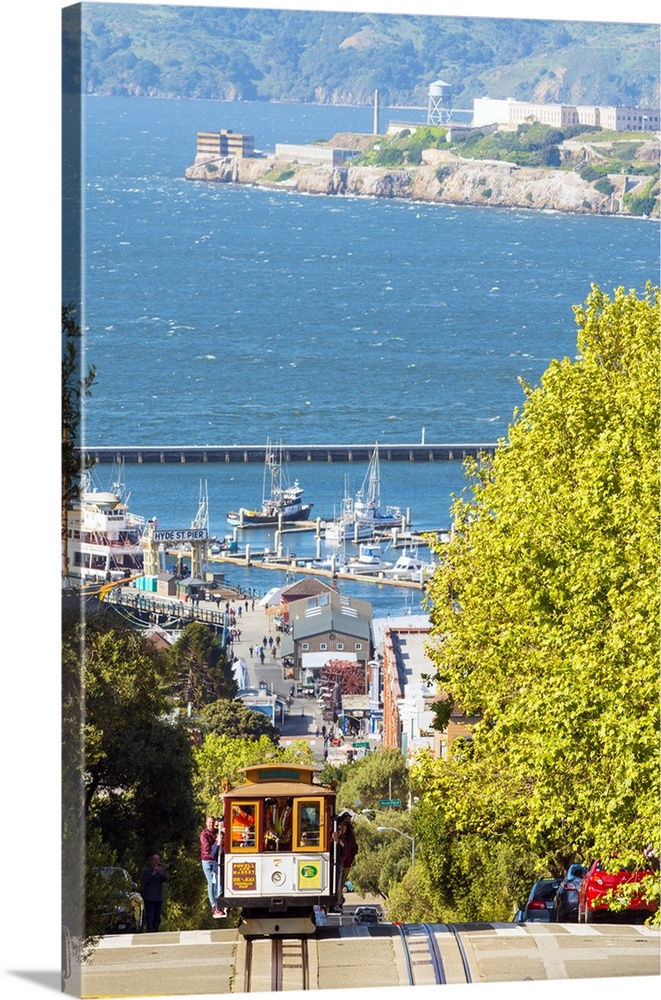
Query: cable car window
[[277, 824], [242, 825], [309, 825]]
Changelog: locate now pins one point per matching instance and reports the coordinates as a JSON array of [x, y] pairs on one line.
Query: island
[[592, 172]]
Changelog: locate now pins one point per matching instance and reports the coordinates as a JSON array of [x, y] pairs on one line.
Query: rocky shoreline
[[442, 178]]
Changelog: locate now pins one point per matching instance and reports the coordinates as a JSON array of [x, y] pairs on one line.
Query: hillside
[[342, 57]]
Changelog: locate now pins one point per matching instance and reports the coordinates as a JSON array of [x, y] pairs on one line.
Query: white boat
[[367, 505], [368, 561], [346, 528], [410, 566], [280, 501], [103, 536]]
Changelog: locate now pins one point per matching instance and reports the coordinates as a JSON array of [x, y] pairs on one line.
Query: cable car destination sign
[[181, 535]]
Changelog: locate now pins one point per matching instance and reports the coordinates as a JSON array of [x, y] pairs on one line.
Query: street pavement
[[304, 716]]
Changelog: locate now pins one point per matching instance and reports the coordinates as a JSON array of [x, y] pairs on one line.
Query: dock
[[285, 564], [242, 453]]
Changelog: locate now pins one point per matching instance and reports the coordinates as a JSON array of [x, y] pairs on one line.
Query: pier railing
[[175, 454]]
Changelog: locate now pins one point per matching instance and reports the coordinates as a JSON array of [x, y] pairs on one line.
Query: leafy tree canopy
[[203, 668], [382, 774], [220, 758], [545, 609], [237, 721]]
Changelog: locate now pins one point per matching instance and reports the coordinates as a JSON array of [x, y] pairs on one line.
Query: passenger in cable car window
[[277, 824], [243, 826], [309, 826]]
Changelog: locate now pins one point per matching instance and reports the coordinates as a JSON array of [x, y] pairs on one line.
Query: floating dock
[[202, 454]]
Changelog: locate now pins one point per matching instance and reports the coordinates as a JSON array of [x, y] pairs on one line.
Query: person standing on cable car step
[[347, 848], [208, 838], [218, 855]]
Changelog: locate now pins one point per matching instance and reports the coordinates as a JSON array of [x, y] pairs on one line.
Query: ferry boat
[[103, 536], [279, 502]]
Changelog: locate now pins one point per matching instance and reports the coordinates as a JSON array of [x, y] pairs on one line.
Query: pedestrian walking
[[250, 649], [271, 641]]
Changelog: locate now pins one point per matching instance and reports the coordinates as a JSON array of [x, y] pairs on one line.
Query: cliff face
[[442, 178]]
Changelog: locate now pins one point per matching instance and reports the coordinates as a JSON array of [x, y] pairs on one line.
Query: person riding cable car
[[277, 824]]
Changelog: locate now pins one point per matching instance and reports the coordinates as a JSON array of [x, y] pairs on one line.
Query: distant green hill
[[332, 57]]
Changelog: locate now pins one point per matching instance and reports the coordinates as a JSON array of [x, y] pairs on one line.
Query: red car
[[597, 884]]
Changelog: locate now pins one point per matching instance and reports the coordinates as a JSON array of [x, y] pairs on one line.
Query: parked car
[[592, 894], [540, 900], [366, 915], [565, 901], [127, 907]]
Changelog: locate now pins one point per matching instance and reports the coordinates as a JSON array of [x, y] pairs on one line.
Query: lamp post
[[402, 834]]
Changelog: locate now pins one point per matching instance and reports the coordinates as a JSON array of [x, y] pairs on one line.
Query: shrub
[[604, 186]]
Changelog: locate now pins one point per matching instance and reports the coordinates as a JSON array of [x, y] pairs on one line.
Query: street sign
[[365, 744], [389, 803]]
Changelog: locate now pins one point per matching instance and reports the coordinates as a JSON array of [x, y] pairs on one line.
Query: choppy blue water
[[222, 315]]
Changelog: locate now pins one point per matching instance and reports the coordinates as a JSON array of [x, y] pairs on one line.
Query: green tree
[[545, 609], [219, 760], [236, 720], [382, 774], [127, 763], [382, 859], [204, 671]]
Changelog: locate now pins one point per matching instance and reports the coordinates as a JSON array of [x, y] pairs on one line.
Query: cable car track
[[276, 964], [423, 957]]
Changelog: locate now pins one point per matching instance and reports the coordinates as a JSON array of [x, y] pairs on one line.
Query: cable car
[[279, 857]]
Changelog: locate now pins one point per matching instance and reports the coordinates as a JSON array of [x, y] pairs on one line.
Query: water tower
[[440, 100]]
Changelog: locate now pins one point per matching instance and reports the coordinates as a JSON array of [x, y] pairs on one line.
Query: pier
[[242, 453]]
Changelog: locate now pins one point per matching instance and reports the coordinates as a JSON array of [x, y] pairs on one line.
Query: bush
[[604, 186]]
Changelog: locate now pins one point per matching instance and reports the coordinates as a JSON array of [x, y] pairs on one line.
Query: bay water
[[218, 314]]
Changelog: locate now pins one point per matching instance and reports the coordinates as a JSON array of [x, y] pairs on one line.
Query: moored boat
[[280, 501], [103, 537], [410, 566], [368, 561], [367, 505]]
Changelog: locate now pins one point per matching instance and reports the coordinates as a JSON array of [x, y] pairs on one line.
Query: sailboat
[[367, 505], [280, 501], [346, 527]]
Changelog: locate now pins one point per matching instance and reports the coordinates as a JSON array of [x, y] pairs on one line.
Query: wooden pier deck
[[202, 454]]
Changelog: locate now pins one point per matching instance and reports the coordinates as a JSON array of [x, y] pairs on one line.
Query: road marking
[[581, 930], [195, 937], [163, 941], [511, 931]]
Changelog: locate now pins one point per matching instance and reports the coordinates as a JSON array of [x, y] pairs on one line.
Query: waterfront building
[[323, 156], [223, 144], [323, 627], [509, 114]]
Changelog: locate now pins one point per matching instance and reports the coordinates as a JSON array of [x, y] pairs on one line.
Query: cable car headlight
[[278, 877]]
